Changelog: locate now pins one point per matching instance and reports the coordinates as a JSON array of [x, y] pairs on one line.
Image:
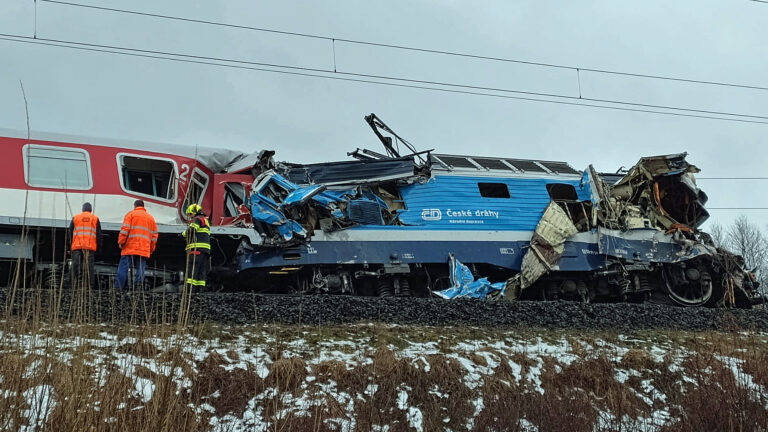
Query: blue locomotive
[[394, 225]]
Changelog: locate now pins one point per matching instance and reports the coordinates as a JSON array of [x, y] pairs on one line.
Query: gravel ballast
[[248, 308]]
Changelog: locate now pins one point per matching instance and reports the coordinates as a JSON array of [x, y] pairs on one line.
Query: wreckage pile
[[247, 308], [388, 226], [656, 202]]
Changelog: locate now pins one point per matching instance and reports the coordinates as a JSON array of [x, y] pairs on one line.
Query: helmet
[[194, 209]]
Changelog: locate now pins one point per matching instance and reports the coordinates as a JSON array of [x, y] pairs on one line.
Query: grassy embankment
[[68, 373]]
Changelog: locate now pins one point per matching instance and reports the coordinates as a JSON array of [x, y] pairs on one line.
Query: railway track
[[248, 308]]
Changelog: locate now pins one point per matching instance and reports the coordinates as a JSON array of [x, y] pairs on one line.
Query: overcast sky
[[313, 120]]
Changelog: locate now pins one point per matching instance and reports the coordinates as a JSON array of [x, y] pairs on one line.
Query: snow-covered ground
[[380, 377]]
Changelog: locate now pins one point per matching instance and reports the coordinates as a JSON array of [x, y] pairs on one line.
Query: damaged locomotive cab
[[663, 189], [646, 228], [285, 213]]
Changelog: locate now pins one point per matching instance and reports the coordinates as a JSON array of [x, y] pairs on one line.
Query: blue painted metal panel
[[643, 248], [578, 256], [302, 194], [503, 254], [455, 202]]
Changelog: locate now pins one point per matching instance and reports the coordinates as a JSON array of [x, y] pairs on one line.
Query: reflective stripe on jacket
[[85, 231], [198, 234], [138, 235]]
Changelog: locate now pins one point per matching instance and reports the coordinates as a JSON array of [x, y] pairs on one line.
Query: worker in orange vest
[[86, 241], [138, 240]]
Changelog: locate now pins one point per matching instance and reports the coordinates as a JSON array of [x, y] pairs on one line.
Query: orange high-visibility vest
[[138, 235], [84, 233]]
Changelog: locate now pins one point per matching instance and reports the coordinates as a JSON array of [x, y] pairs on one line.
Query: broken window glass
[[196, 189], [234, 197], [150, 177]]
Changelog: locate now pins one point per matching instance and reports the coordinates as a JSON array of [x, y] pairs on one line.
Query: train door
[[195, 193]]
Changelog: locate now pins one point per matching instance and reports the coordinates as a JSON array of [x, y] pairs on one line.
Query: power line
[[307, 72], [409, 48]]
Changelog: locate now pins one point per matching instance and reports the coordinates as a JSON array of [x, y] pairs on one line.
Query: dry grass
[[96, 377], [103, 395]]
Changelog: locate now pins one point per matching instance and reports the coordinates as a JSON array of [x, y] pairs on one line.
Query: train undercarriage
[[698, 282]]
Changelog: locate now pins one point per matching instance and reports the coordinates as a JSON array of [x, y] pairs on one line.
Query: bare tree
[[747, 240], [718, 234]]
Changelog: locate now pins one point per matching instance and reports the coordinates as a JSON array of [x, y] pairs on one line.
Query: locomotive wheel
[[690, 294], [405, 288], [384, 288]]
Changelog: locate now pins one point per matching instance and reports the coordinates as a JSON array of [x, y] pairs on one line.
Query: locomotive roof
[[215, 159], [351, 172], [505, 165]]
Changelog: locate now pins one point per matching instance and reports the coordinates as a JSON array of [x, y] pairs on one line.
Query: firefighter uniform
[[86, 241], [198, 237], [138, 240]]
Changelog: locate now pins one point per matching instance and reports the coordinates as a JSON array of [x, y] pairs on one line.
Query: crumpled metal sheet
[[654, 166], [463, 284], [652, 179], [547, 244], [649, 245]]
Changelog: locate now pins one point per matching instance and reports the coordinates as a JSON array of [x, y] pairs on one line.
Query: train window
[[151, 177], [234, 197], [562, 191], [275, 191], [493, 190], [57, 167], [196, 188]]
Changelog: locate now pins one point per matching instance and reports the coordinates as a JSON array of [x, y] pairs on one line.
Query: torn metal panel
[[649, 245], [651, 167], [351, 172], [256, 163], [302, 195], [665, 189], [463, 283], [295, 211], [547, 244]]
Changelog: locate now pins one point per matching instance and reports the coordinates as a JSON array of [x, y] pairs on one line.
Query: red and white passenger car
[[45, 179]]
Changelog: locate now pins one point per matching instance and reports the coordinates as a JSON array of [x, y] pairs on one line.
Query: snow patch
[[41, 402]]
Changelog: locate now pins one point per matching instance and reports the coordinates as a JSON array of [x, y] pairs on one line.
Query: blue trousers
[[134, 263]]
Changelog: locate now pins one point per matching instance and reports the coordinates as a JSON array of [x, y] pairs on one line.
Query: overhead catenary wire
[[333, 40], [370, 79], [409, 48], [42, 42], [213, 61]]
